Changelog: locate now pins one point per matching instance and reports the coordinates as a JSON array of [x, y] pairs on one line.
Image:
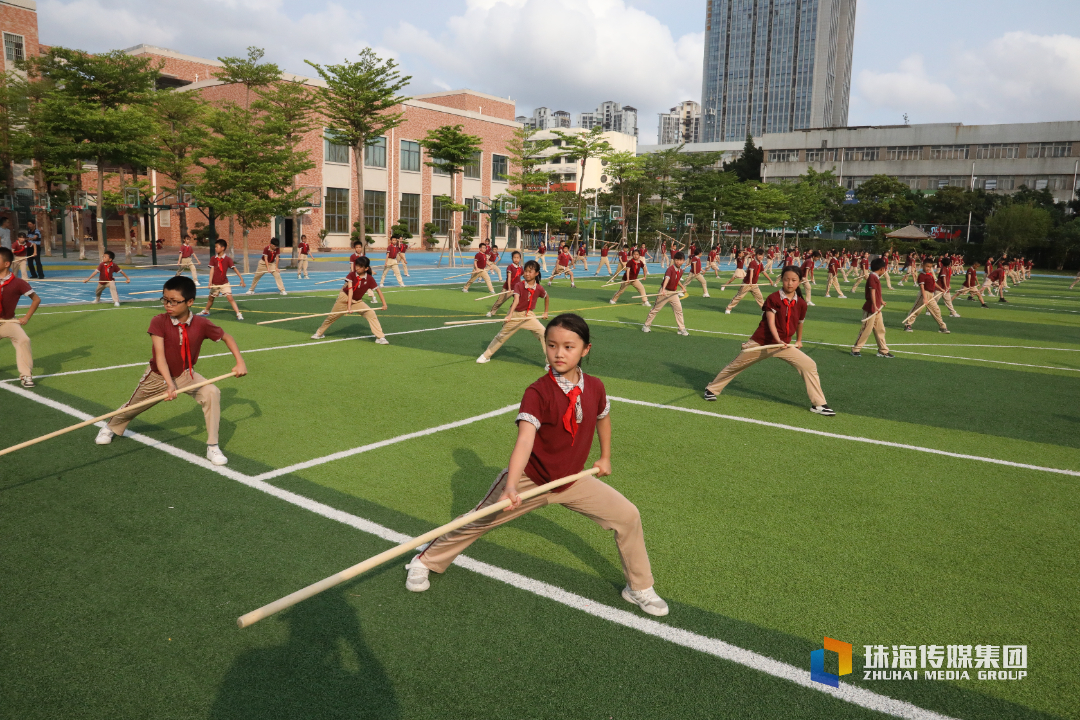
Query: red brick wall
[[503, 109], [20, 22], [183, 69]]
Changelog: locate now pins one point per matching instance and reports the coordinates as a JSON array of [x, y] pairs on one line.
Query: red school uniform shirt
[[107, 271], [997, 275], [354, 257], [604, 251], [633, 267], [712, 255], [945, 276], [481, 260], [513, 274], [305, 249], [789, 313], [695, 265], [527, 296], [753, 270], [541, 249], [873, 294], [270, 254], [834, 266], [806, 267], [392, 251], [183, 340], [10, 291], [219, 269], [972, 278], [623, 256], [565, 418], [19, 248], [928, 282], [564, 259], [582, 251], [739, 263], [186, 251], [672, 278], [359, 286]]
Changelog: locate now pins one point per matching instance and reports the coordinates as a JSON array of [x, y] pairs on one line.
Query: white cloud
[[564, 54], [1018, 77]]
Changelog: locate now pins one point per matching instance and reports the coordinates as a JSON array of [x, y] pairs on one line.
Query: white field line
[[245, 352], [685, 638]]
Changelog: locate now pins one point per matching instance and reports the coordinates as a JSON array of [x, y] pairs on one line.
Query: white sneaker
[[647, 303], [810, 303], [215, 456], [204, 313], [647, 600], [317, 336], [417, 581], [682, 332], [727, 311], [843, 297], [116, 304], [611, 301], [95, 301], [382, 341], [488, 314], [706, 295], [239, 316], [197, 285], [483, 359], [104, 436], [573, 285], [284, 293], [467, 289], [646, 328], [250, 292]]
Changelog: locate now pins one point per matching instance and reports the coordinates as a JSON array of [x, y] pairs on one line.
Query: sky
[[969, 61]]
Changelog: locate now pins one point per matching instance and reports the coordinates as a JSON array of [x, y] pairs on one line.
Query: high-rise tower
[[775, 66]]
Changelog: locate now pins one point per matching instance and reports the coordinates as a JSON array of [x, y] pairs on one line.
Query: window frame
[[20, 47], [950, 152], [371, 148], [370, 205], [497, 161], [475, 164], [335, 204], [408, 152], [328, 143], [411, 222], [440, 215]]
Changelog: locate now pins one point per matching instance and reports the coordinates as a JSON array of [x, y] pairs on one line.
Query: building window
[[1049, 149], [500, 229], [14, 49], [410, 156], [440, 213], [997, 151], [334, 152], [375, 153], [1040, 183], [990, 184], [472, 168], [904, 152], [500, 168], [860, 153], [820, 155], [375, 210], [437, 167], [336, 210], [555, 160], [783, 156], [472, 215], [949, 152], [410, 212], [1006, 183]]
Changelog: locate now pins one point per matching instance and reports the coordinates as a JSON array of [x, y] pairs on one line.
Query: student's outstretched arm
[[603, 431], [378, 291], [240, 369], [519, 458]]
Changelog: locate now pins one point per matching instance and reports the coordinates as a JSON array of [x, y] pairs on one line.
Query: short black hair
[[535, 266], [515, 253], [221, 242], [364, 262], [111, 254], [678, 256], [877, 263], [6, 254], [183, 285], [574, 323], [274, 241]]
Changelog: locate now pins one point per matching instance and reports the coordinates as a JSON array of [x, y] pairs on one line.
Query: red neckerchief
[[185, 349], [355, 285], [790, 305], [3, 284], [569, 418]]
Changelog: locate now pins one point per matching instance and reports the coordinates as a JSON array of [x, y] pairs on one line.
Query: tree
[[884, 199], [701, 185], [1014, 228], [661, 169], [106, 96], [755, 205], [624, 168], [813, 199], [289, 104], [11, 99], [179, 135], [581, 147], [748, 165], [450, 150], [1066, 242], [358, 103]]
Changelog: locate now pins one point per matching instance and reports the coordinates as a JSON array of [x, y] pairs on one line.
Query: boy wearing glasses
[[220, 265], [177, 336]]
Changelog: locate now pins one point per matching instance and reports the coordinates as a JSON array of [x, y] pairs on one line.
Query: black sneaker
[[945, 331], [709, 395], [985, 305], [856, 353], [886, 355], [823, 410], [1002, 300]]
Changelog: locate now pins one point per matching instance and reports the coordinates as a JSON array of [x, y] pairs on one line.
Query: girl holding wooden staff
[[739, 273], [352, 294], [630, 277], [513, 274], [562, 404], [872, 321], [177, 336], [782, 317], [754, 270], [521, 316]]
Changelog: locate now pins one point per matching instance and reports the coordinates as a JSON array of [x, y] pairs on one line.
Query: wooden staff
[[106, 416], [916, 311], [315, 588], [452, 277], [873, 315], [470, 322], [304, 317], [323, 282], [485, 297]]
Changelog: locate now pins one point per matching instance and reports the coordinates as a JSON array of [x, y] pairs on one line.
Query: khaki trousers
[[676, 305], [604, 263], [24, 358], [186, 264], [341, 306], [503, 297], [833, 283], [151, 384], [542, 260], [932, 306], [476, 275], [743, 289], [806, 289], [791, 355], [700, 277], [637, 286], [876, 326], [392, 265], [593, 498], [561, 270], [583, 259], [523, 321], [263, 269], [19, 267], [301, 266], [973, 291], [948, 301], [714, 267], [111, 284]]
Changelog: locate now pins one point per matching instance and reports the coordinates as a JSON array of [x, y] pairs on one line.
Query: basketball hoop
[[124, 209], [179, 206], [38, 209]]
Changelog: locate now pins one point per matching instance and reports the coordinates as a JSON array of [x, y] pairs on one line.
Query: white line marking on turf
[[678, 636], [853, 438], [996, 362]]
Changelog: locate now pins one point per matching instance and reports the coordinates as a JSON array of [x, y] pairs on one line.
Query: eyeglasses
[[171, 303]]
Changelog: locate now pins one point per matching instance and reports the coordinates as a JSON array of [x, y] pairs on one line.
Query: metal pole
[[637, 216], [153, 234]]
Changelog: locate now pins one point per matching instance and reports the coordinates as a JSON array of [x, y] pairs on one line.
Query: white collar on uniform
[[190, 317]]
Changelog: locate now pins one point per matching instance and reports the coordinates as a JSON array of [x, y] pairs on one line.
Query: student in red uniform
[[479, 270], [305, 257], [564, 265], [187, 259], [403, 245], [624, 260], [944, 279], [872, 321], [754, 270], [807, 270], [739, 273], [926, 299], [555, 424], [11, 289], [493, 260], [177, 336], [357, 253], [525, 292], [541, 251], [106, 271], [582, 256], [670, 289], [352, 295], [995, 279], [630, 277], [513, 273], [392, 252], [605, 263], [220, 265], [697, 274], [833, 270], [268, 263], [782, 317], [714, 264], [22, 250]]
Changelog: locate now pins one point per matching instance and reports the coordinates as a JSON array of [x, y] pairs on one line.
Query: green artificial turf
[[124, 568]]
